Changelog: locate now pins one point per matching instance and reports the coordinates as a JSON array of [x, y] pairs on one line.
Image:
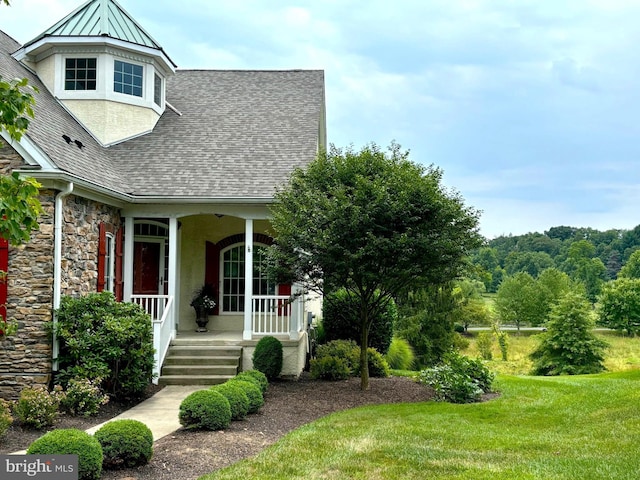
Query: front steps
[[193, 361]]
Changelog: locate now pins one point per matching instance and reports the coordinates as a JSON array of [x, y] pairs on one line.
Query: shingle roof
[[240, 134]]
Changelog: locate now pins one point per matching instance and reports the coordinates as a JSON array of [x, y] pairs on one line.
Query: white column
[[127, 266], [248, 280], [173, 267]]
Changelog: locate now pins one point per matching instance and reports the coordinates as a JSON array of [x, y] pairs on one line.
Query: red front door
[[146, 268]]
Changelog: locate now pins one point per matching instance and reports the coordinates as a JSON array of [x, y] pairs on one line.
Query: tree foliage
[[631, 269], [370, 221], [517, 301], [19, 208], [619, 305], [569, 347], [16, 106]]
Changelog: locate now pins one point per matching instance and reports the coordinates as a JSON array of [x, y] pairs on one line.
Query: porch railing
[[277, 315], [160, 308]]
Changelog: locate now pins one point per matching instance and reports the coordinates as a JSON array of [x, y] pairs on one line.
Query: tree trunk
[[364, 360]]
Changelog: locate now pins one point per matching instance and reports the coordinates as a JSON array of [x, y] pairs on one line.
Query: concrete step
[[201, 360], [203, 370], [192, 379], [204, 350]]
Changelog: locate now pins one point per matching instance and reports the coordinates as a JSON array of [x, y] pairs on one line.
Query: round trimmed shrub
[[238, 399], [71, 441], [378, 366], [268, 357], [205, 409], [125, 443], [256, 399], [263, 381], [348, 350], [400, 354], [330, 368], [341, 320]]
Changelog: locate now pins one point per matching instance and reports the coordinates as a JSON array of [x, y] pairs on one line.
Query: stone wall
[[26, 358], [82, 219]]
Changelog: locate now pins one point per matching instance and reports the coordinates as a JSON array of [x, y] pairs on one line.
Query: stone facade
[[26, 358]]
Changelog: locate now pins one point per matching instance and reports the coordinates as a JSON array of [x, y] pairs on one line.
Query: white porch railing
[[160, 308], [277, 315]]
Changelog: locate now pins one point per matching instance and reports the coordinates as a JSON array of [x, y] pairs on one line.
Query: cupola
[[105, 69]]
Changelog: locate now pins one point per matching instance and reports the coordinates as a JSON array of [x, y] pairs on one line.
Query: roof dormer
[[105, 68]]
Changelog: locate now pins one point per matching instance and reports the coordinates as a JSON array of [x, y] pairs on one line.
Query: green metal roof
[[101, 18]]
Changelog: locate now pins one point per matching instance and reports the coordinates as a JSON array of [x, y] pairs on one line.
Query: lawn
[[582, 427]]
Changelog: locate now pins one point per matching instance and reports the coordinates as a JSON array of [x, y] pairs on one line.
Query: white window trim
[[110, 262]]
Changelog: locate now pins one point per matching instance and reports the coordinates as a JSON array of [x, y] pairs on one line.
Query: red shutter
[[102, 253], [118, 274], [283, 289], [4, 268], [212, 271]]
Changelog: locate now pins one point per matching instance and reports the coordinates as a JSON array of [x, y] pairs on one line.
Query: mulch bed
[[186, 455]]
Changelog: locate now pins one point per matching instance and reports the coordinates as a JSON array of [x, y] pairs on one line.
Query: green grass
[[623, 353], [582, 427]]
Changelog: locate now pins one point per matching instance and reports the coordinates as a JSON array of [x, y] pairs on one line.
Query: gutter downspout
[[57, 264]]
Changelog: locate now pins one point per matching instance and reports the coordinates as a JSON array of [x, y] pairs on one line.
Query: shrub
[[460, 342], [378, 366], [267, 357], [5, 416], [205, 409], [348, 350], [83, 397], [263, 382], [341, 320], [400, 354], [458, 379], [256, 399], [484, 344], [458, 328], [37, 407], [72, 442], [330, 368], [125, 443], [238, 399], [102, 338]]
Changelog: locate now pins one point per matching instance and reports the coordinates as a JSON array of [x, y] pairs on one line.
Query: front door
[[148, 268]]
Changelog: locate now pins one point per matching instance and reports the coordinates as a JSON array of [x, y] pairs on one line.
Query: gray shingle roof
[[240, 134]]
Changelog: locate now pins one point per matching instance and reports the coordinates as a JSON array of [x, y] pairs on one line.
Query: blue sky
[[531, 107]]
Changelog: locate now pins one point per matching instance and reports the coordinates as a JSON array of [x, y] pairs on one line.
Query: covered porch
[[171, 255]]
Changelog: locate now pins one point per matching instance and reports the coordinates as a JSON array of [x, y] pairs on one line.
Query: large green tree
[[517, 301], [373, 222], [619, 305], [631, 269]]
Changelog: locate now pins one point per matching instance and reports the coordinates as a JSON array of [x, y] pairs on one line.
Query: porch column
[[173, 267], [127, 266], [248, 280]]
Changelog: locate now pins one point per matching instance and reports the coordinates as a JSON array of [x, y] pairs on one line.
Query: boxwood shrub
[[268, 357], [125, 443], [238, 399], [263, 381], [256, 399], [205, 409], [71, 441]]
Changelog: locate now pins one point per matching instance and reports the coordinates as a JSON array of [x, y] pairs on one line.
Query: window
[[127, 78], [109, 262], [157, 90], [80, 74], [233, 277]]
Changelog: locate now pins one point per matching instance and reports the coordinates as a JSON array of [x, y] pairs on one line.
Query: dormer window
[[80, 74], [127, 78]]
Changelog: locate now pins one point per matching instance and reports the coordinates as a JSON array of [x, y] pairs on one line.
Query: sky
[[530, 107]]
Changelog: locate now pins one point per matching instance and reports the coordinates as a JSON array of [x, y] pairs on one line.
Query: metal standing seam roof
[[100, 18]]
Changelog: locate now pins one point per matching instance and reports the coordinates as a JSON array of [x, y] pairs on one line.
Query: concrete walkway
[[159, 412]]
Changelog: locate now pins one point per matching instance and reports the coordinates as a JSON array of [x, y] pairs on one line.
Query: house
[[155, 181]]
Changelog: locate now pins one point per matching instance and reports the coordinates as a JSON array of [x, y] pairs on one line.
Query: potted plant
[[203, 303]]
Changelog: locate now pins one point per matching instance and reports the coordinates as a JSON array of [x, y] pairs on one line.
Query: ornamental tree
[[372, 222]]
